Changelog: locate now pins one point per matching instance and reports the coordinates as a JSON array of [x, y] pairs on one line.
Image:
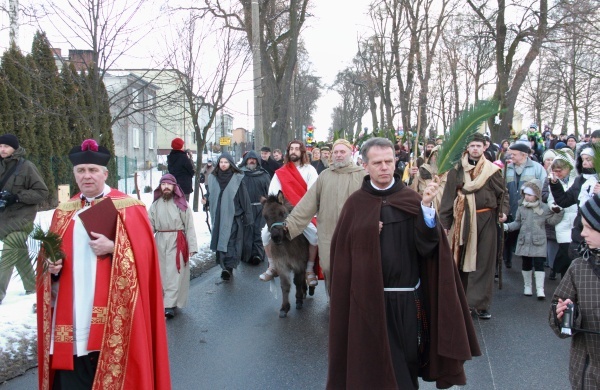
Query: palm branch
[[596, 149], [462, 131], [22, 247]]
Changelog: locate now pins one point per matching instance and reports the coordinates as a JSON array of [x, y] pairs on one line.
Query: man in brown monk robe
[[387, 300], [474, 200]]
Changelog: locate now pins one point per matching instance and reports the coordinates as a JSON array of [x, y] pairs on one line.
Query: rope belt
[[403, 288], [483, 210], [169, 231]]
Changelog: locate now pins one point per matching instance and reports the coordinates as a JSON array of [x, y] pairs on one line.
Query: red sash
[[182, 249], [293, 185]]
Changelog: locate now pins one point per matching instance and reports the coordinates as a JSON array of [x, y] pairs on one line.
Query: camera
[[3, 195], [567, 320]]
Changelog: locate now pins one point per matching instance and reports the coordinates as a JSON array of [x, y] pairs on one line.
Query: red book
[[101, 218]]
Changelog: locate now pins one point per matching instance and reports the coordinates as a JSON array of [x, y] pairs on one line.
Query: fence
[[62, 171]]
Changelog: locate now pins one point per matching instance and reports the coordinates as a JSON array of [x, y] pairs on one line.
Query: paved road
[[230, 337]]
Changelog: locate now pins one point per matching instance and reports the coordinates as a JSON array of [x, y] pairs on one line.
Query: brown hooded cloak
[[360, 355]]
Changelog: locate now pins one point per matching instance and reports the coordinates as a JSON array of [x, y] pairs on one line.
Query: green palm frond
[[50, 243], [461, 132], [15, 250], [596, 149], [20, 246]]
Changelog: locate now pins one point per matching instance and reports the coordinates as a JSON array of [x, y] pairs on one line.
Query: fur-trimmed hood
[[535, 185]]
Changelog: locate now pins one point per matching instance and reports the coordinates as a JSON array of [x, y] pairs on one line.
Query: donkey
[[288, 255]]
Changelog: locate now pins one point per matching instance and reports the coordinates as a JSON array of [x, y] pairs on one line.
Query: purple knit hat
[[178, 196]]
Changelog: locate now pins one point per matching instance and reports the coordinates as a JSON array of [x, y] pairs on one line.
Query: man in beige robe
[[326, 199], [173, 224]]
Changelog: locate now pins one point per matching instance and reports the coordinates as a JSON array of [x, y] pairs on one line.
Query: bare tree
[[530, 28], [354, 103], [103, 31], [307, 90], [210, 60], [280, 23]]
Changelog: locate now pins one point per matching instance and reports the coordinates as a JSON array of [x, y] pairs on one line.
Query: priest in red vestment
[[100, 310]]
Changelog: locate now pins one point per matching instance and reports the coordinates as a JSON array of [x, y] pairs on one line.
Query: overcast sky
[[330, 38]]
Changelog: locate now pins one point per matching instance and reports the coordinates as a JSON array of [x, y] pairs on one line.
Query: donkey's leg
[[300, 283], [284, 280]]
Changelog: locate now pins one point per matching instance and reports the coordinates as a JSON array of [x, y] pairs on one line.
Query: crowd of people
[[532, 200]]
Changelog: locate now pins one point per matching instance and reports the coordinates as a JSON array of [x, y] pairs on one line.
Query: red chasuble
[[128, 304]]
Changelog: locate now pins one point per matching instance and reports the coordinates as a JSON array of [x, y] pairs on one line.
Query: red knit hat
[[177, 144]]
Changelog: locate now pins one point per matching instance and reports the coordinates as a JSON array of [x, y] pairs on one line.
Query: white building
[[133, 102]]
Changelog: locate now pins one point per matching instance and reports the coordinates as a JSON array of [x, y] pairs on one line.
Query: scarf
[[224, 177], [178, 196], [533, 205], [475, 177], [590, 255]]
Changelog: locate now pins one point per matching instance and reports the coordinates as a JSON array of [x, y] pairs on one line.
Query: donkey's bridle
[[282, 224]]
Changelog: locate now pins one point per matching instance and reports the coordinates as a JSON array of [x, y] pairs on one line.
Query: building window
[[150, 140], [136, 138]]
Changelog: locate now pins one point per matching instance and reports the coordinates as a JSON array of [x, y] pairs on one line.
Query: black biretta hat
[[89, 153]]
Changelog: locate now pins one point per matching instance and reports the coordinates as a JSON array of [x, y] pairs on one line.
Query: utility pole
[[257, 73]]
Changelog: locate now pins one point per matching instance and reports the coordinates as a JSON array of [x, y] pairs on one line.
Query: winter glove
[[9, 198], [556, 208]]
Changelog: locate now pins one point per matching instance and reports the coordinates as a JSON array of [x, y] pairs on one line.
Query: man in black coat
[[181, 166], [267, 162], [257, 182]]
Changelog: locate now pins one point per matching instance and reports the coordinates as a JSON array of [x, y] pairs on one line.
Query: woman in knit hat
[[559, 236], [584, 186], [180, 166], [581, 286]]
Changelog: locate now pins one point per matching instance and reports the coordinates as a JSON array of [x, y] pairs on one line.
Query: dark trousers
[[562, 261], [510, 244], [530, 263], [82, 376]]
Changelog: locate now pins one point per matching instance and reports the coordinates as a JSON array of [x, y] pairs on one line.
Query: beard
[[167, 195], [294, 157], [251, 166], [341, 164]]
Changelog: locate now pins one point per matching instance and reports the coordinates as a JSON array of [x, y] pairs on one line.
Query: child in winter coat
[[532, 216], [581, 286]]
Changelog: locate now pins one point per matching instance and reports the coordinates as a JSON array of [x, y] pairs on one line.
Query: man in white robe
[[173, 224]]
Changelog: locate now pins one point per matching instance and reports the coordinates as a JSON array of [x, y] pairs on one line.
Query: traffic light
[[310, 134]]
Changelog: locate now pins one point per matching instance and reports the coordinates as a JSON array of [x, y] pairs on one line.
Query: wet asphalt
[[231, 337]]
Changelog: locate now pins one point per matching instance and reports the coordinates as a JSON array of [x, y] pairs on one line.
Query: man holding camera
[[22, 189]]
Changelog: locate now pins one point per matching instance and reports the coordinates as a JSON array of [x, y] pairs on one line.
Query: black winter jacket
[[181, 167]]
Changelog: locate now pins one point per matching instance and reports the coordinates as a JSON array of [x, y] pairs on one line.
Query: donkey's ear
[[280, 197], [263, 200]]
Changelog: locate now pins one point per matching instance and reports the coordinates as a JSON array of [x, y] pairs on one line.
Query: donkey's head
[[275, 210]]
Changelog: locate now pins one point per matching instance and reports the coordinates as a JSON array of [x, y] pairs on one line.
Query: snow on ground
[[18, 326]]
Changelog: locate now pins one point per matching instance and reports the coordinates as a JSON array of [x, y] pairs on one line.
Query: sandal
[[268, 275], [311, 279]]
